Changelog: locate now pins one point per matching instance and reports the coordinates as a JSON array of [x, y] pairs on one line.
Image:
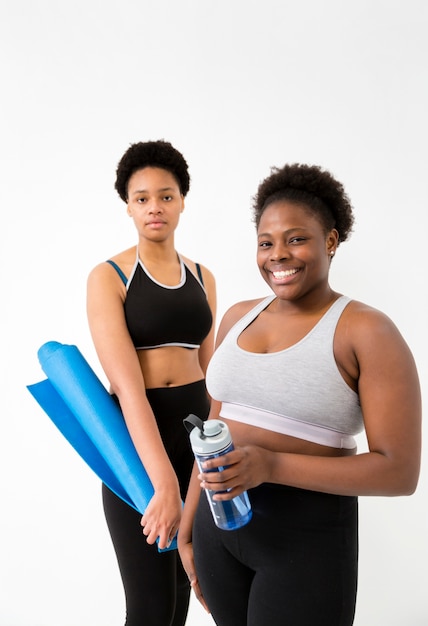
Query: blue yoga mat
[[85, 413]]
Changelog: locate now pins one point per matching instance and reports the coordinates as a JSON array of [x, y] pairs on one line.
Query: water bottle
[[211, 439]]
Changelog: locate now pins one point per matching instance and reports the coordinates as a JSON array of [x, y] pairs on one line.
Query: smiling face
[[294, 250], [154, 203]]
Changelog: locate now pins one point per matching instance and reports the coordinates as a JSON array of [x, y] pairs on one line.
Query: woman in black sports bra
[[151, 316]]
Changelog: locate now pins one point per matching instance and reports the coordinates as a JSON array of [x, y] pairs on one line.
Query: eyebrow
[[285, 232], [162, 190]]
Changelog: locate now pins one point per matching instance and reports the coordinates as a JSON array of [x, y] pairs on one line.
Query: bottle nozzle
[[212, 428], [192, 421]]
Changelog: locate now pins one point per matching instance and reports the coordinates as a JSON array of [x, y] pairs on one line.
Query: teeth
[[284, 273]]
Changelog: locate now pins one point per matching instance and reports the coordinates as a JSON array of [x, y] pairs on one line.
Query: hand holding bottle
[[211, 439]]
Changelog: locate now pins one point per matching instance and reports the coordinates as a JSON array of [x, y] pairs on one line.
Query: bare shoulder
[[239, 309], [369, 328], [104, 271], [367, 343], [364, 317], [234, 314]]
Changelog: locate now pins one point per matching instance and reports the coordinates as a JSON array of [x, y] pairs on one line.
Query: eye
[[167, 198], [141, 200], [265, 244], [297, 240]]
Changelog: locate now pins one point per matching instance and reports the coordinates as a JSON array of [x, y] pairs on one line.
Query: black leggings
[[293, 564], [156, 587]]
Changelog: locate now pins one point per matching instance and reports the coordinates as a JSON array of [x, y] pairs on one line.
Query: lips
[[156, 223], [281, 274]]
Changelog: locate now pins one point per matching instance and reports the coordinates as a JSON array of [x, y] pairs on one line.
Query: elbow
[[405, 485], [402, 491], [117, 387], [409, 488], [399, 474], [115, 390]]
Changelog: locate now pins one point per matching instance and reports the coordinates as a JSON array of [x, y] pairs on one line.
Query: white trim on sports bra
[[287, 426]]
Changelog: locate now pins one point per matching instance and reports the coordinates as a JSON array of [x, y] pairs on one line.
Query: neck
[[312, 303], [157, 252]]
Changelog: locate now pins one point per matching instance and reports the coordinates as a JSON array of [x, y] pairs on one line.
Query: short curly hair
[[158, 153], [309, 185]]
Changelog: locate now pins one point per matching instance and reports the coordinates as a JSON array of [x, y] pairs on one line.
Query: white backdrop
[[238, 86]]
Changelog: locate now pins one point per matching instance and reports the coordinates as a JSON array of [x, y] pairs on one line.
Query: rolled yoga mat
[[85, 413]]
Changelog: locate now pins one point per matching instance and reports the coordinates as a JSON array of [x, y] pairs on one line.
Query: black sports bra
[[161, 315]]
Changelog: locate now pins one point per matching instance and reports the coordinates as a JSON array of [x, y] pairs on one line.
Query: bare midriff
[[170, 366]]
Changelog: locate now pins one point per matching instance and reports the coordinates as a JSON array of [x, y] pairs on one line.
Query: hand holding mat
[[82, 409]]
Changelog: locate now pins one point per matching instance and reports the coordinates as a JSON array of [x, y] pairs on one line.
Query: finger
[[226, 460], [172, 535], [151, 535], [216, 485], [146, 529], [222, 475], [169, 538], [151, 539]]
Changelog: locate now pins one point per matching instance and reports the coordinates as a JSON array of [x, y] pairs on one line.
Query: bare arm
[[378, 357], [207, 346], [118, 357], [185, 545]]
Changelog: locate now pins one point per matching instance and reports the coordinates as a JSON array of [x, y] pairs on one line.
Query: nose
[[155, 208], [279, 252]]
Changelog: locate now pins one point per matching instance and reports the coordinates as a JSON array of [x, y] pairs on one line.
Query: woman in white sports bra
[[296, 375]]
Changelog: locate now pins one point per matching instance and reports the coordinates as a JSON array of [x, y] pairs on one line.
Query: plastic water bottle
[[211, 439]]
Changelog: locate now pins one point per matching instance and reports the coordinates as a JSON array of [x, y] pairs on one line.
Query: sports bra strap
[[125, 280], [198, 269], [118, 270]]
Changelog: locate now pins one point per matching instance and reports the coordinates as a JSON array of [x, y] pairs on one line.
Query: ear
[[332, 241], [182, 204], [129, 210]]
